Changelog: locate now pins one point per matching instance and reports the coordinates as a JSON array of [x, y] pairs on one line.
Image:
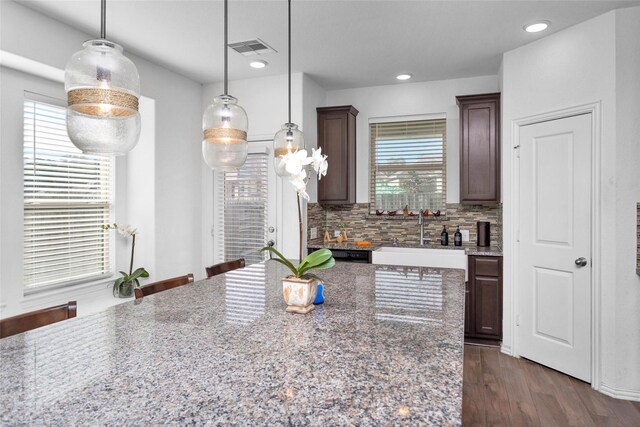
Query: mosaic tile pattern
[[207, 354], [363, 226]]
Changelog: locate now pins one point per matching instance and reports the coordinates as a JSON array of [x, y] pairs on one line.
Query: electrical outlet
[[314, 232], [465, 235], [336, 233]]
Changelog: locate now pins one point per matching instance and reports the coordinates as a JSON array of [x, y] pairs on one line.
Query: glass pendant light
[[289, 138], [225, 123], [103, 87]]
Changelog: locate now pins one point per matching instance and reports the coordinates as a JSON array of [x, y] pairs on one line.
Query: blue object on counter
[[319, 295]]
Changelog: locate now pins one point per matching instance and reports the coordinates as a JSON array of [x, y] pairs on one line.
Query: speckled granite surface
[[351, 246], [385, 349], [469, 249], [483, 251]]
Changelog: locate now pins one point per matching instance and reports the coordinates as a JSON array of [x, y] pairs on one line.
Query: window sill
[[49, 292]]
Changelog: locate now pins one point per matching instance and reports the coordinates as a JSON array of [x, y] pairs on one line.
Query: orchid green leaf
[[285, 261]]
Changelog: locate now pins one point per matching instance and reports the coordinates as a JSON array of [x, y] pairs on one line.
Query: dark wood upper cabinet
[[337, 137], [479, 148]]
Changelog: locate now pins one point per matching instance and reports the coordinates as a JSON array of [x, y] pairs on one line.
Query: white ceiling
[[340, 44]]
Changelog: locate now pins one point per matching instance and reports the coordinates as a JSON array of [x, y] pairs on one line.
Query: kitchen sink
[[421, 257]]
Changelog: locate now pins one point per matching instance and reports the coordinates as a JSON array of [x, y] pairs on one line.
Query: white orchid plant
[[132, 279], [295, 166]]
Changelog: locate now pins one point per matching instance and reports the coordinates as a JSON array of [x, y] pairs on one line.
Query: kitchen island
[[386, 348]]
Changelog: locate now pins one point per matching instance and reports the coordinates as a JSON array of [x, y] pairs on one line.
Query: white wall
[[626, 374], [570, 68], [405, 99], [172, 161], [313, 96]]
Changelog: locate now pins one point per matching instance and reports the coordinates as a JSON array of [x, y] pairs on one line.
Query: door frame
[[208, 210], [596, 280]]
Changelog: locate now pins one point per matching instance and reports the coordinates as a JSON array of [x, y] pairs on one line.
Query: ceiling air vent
[[252, 47]]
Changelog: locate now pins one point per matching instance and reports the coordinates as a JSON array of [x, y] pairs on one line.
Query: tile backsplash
[[364, 226]]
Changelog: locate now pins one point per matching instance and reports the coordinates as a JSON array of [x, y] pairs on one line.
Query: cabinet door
[[337, 137], [488, 307], [479, 149], [332, 137]]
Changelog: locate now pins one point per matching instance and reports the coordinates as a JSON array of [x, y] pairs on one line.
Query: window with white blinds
[[67, 200], [408, 165], [244, 195]]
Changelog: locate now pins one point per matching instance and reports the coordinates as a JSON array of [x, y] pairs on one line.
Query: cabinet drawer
[[487, 266]]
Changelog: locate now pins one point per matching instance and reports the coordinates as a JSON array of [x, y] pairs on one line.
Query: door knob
[[271, 243], [581, 262]]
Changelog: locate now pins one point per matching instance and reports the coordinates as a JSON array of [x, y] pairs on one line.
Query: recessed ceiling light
[[258, 64], [403, 76], [536, 27]]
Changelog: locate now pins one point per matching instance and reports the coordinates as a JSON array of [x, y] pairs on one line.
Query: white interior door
[[245, 207], [554, 316]]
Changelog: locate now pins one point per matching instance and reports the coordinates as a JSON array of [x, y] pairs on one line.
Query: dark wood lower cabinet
[[483, 300]]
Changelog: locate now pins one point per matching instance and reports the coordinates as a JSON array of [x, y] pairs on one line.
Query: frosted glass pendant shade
[[103, 87], [288, 139], [225, 123]]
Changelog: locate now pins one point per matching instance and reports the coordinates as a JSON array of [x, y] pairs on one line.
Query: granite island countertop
[[386, 348], [351, 246]]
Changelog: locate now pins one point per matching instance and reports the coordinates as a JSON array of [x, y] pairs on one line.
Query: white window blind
[[242, 227], [67, 200], [408, 165]]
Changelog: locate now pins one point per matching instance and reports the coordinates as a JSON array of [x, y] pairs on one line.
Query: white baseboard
[[506, 349], [619, 393]]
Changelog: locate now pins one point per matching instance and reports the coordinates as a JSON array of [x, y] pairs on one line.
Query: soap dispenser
[[457, 238], [444, 236]]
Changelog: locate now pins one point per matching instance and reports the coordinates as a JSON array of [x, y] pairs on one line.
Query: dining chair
[[163, 285], [224, 267], [36, 319]]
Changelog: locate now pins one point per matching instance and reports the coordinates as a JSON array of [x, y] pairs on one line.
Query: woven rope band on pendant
[[92, 102], [225, 136], [282, 151]]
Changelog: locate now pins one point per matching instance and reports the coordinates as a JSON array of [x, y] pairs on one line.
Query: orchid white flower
[[299, 182], [319, 162], [123, 230], [295, 162], [130, 231]]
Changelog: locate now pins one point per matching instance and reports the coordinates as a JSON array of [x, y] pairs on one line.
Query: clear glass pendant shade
[[103, 88], [288, 139], [225, 124]]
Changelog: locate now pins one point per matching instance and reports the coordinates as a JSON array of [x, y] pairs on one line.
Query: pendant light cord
[[103, 19], [226, 50], [289, 61]]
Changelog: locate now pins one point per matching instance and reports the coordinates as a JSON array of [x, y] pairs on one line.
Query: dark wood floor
[[500, 390]]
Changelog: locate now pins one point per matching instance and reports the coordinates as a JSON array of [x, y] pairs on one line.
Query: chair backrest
[[163, 285], [224, 267], [35, 319]]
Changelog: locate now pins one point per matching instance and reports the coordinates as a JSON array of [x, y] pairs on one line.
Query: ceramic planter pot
[[299, 294]]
